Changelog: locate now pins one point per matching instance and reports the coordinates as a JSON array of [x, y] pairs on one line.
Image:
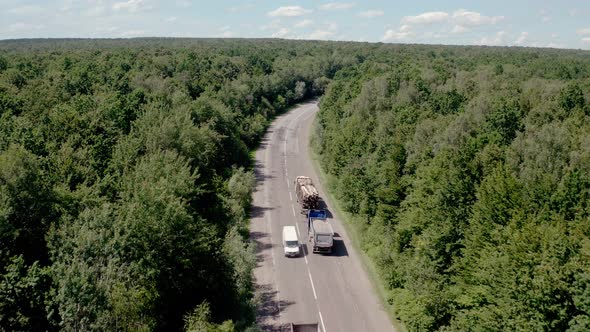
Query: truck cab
[[291, 245]]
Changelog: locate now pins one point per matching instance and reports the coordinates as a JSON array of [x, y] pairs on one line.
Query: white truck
[[321, 234]]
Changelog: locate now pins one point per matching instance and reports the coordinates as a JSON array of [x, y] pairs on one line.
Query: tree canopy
[[125, 178], [466, 173]]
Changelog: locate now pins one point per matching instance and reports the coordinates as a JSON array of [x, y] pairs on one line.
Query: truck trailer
[[307, 195], [321, 234]]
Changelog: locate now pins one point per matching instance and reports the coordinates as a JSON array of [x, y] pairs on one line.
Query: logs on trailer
[[307, 194]]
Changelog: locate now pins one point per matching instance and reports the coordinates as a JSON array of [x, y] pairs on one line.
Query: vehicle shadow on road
[[339, 248], [304, 251], [322, 205]]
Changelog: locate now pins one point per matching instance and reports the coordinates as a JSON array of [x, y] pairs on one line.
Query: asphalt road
[[332, 290]]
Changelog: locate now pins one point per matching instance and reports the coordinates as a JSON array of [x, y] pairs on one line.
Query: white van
[[290, 241]]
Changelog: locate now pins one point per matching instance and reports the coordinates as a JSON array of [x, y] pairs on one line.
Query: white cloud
[[283, 32], [586, 40], [25, 10], [522, 38], [584, 31], [320, 34], [461, 19], [496, 39], [303, 24], [371, 13], [459, 29], [227, 34], [426, 18], [289, 11], [555, 45], [405, 28], [171, 19], [393, 35], [467, 18], [131, 6], [545, 19], [336, 6]]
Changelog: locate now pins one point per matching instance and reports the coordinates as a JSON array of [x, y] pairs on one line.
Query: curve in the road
[[331, 290]]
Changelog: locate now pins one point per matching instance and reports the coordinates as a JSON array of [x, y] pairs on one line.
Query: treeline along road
[[126, 183]]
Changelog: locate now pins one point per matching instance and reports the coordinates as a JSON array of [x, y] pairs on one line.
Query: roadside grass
[[355, 232]]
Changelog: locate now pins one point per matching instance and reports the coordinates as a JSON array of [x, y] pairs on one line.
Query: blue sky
[[543, 23]]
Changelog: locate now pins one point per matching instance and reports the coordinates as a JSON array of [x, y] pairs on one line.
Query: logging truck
[[307, 195]]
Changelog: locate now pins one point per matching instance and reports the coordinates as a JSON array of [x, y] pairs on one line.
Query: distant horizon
[[282, 39], [458, 22]]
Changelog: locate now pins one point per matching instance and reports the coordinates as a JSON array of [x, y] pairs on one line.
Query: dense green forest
[[125, 178], [124, 182], [466, 171]]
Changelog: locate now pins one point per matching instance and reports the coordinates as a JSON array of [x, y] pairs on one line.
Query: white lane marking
[[322, 320], [290, 195], [356, 307], [293, 209], [298, 233], [307, 117], [302, 113], [285, 150], [297, 126], [315, 296]]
